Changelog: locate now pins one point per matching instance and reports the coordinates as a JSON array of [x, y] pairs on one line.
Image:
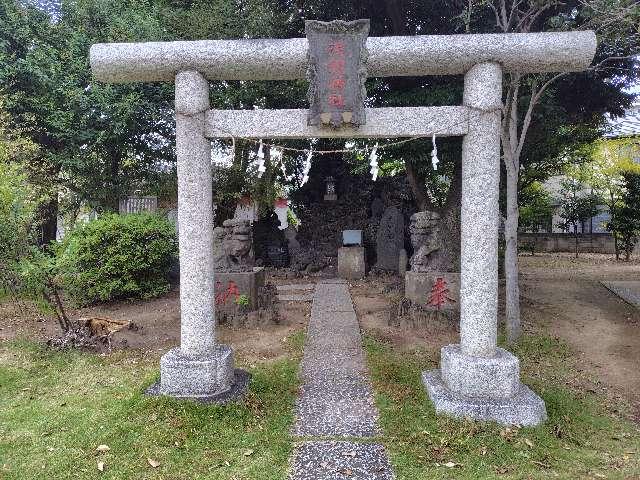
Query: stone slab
[[628, 290], [330, 460], [336, 397], [295, 286], [525, 408], [295, 297], [351, 263], [418, 288]]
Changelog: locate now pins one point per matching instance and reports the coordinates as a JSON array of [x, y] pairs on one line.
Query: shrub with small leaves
[[118, 257]]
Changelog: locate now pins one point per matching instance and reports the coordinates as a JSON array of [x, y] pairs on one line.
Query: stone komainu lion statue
[[233, 246], [425, 239]]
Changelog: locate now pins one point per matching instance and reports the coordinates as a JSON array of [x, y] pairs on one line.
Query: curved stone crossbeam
[[286, 59]]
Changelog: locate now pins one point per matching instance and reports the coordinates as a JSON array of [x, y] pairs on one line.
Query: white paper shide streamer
[[307, 168], [373, 161], [434, 153], [261, 167]]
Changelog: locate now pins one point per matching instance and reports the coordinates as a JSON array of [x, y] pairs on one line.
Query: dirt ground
[[157, 326], [560, 295]]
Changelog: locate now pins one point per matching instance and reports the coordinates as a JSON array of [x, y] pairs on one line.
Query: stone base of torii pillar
[[483, 388], [477, 379]]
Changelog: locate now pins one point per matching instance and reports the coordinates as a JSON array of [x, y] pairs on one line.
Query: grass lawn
[[582, 438], [56, 408]]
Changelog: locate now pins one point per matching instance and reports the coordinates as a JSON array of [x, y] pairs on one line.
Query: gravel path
[[336, 399]]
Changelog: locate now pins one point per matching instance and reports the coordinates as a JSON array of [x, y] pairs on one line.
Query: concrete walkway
[[336, 399]]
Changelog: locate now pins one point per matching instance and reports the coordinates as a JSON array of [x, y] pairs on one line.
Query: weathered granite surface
[[286, 59], [195, 214], [351, 263], [331, 460], [479, 212], [524, 408], [385, 122]]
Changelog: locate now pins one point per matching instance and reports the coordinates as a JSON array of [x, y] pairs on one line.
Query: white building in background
[[621, 127]]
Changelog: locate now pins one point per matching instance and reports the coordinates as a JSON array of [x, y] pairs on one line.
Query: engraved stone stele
[[389, 240], [336, 72], [476, 379]]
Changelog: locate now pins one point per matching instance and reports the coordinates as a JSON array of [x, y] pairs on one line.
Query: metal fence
[[138, 204]]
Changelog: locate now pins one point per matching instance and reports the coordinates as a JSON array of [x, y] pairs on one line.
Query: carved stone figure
[[233, 246], [425, 238]]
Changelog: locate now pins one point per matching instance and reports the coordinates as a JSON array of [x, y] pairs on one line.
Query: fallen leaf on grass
[[528, 442], [451, 464], [248, 452], [101, 466], [153, 463]]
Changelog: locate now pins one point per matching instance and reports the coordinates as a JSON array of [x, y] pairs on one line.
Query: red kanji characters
[[439, 294], [336, 48], [336, 66], [222, 296], [337, 84], [336, 100]]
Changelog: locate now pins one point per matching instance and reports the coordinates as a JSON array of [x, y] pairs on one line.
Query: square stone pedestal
[[351, 263], [209, 378], [229, 285], [433, 290], [480, 388]]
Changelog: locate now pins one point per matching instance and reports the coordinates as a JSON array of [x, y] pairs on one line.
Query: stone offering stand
[[476, 379]]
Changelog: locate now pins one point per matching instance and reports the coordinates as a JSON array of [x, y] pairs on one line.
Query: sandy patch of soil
[[157, 326]]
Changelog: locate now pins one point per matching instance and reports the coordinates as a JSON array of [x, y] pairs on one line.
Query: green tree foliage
[[536, 209], [95, 140], [17, 212], [625, 220], [118, 257], [576, 206]]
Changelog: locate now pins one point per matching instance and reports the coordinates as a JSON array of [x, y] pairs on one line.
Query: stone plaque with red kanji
[[337, 72]]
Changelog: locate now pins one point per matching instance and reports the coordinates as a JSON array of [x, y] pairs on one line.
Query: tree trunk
[[512, 289], [575, 235], [417, 187], [48, 221]]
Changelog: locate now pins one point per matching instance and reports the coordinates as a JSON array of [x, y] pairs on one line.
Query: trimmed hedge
[[118, 257]]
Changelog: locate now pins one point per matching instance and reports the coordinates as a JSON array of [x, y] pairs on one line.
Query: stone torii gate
[[477, 379]]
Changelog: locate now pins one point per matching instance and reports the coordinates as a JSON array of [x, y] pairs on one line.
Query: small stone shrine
[[476, 378]]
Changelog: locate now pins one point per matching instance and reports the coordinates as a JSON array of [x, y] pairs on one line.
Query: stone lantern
[[330, 193]]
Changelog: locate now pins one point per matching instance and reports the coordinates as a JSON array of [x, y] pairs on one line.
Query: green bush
[[118, 257]]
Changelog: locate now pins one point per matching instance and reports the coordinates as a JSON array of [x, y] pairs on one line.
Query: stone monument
[[390, 239], [428, 283], [476, 379], [235, 271]]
